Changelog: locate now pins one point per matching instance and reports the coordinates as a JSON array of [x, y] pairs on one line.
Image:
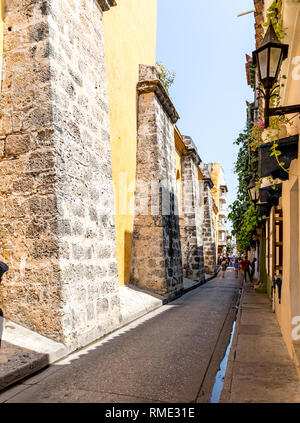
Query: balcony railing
[[222, 226], [222, 211]]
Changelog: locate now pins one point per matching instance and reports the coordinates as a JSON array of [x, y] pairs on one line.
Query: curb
[[24, 371], [44, 360], [197, 285], [226, 391]]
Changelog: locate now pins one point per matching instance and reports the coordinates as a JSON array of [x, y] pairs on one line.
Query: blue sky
[[205, 44]]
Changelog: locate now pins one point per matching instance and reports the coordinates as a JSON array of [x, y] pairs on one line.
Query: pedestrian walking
[[3, 269], [223, 267], [246, 268], [240, 264], [252, 266], [236, 268]]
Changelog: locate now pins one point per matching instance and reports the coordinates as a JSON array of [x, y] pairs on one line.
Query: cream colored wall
[[290, 95], [283, 310], [130, 40], [216, 179]]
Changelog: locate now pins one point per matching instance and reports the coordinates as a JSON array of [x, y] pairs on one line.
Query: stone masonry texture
[[259, 20], [156, 254], [56, 204], [192, 221], [209, 244]]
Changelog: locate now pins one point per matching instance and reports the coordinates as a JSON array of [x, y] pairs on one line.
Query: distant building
[[219, 191]]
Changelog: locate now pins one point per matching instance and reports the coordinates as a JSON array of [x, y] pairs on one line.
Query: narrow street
[[127, 191], [170, 355]]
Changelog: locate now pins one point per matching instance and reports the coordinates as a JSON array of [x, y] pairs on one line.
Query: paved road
[[171, 355]]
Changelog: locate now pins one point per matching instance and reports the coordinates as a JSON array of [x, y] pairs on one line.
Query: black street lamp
[[269, 57], [252, 191]]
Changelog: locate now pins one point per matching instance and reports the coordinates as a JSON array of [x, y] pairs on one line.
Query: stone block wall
[[209, 243], [30, 293], [56, 200], [259, 20], [156, 254], [191, 224]]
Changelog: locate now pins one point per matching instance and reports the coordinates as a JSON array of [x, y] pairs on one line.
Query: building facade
[[99, 188], [57, 229], [219, 191], [130, 40], [278, 236]]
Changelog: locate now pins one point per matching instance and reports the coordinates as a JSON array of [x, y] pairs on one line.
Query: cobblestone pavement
[[170, 355]]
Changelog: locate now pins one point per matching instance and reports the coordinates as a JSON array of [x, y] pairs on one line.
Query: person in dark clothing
[[246, 268], [3, 269], [236, 268], [252, 266], [223, 267]]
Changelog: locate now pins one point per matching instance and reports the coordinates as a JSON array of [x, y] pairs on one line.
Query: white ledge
[[156, 86]]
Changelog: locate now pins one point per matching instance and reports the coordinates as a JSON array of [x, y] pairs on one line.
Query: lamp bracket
[[278, 111]]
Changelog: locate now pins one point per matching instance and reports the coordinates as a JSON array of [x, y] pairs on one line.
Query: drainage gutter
[[221, 380], [226, 391]]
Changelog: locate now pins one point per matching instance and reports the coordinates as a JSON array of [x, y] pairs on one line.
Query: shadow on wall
[[172, 243], [157, 225], [127, 255], [194, 263], [210, 261]]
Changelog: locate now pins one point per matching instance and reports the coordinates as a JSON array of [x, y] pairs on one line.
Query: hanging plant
[[255, 136], [243, 215]]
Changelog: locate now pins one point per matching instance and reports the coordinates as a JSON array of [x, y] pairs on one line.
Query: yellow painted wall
[[179, 178], [130, 40], [178, 165], [180, 149]]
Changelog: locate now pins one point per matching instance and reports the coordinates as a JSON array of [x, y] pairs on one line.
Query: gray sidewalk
[[259, 366]]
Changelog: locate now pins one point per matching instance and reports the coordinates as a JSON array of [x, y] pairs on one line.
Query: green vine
[[274, 17], [243, 215], [255, 136]]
